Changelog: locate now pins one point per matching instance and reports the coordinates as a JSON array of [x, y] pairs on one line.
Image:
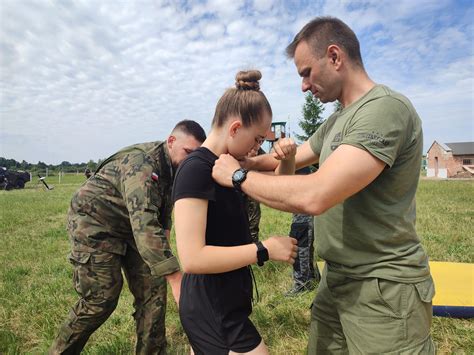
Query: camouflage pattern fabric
[[304, 268], [117, 220], [254, 213], [98, 280], [128, 201]]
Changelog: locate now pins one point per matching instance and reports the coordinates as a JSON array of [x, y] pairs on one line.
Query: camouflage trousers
[[98, 281], [304, 268]]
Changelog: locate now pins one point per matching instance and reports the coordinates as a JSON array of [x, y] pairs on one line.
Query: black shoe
[[300, 288]]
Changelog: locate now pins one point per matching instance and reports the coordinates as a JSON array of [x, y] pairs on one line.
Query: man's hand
[[284, 149], [174, 280], [246, 162], [224, 168]]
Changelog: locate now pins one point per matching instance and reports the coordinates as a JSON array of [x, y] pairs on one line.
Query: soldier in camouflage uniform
[[253, 207], [118, 220], [305, 271]]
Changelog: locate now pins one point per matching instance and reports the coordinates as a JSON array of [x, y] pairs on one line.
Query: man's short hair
[[191, 128], [322, 32]]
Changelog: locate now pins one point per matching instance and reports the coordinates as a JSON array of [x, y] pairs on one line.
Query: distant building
[[447, 160], [278, 130], [424, 163]]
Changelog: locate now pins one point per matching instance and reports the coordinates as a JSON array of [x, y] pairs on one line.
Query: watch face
[[238, 175]]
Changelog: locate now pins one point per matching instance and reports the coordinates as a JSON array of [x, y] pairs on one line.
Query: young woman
[[212, 231]]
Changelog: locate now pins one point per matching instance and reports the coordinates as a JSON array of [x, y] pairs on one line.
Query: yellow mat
[[454, 283]]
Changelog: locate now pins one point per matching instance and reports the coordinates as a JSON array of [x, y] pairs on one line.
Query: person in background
[[305, 271]]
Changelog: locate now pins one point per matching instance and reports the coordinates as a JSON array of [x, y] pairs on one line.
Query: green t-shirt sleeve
[[316, 140], [381, 127]]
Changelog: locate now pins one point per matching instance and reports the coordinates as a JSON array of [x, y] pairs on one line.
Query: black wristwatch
[[238, 177], [262, 253]]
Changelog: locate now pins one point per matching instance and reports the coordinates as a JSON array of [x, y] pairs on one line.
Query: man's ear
[[170, 141], [334, 55], [234, 127]]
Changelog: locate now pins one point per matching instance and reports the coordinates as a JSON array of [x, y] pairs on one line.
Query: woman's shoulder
[[197, 166], [194, 176], [201, 159]]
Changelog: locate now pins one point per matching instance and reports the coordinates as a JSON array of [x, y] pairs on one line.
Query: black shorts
[[214, 311]]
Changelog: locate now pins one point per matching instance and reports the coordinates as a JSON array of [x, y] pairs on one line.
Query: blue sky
[[81, 79]]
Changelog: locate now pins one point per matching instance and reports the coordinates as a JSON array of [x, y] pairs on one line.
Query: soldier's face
[[180, 145]]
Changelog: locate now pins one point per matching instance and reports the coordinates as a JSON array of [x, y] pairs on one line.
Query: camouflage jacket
[[127, 203]]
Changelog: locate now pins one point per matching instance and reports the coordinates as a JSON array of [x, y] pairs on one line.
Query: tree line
[[41, 167]]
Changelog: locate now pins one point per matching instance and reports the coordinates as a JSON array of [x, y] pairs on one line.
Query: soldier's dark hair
[[322, 32], [245, 100], [191, 128]]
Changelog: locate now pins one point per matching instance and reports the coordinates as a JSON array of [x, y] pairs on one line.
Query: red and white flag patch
[[154, 177]]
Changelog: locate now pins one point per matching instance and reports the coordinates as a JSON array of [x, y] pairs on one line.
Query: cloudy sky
[[81, 79]]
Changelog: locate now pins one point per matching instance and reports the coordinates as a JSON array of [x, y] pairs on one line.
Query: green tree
[[311, 120], [338, 106], [25, 165], [41, 165], [92, 165]]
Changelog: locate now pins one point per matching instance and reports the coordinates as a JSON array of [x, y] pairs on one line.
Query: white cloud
[[225, 9], [213, 30], [263, 5], [79, 80]]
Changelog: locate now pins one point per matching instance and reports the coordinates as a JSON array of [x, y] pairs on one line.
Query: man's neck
[[355, 86]]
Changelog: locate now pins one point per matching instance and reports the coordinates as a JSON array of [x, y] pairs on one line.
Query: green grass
[[36, 288]]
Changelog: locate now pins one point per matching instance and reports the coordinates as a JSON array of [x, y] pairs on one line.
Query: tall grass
[[36, 290]]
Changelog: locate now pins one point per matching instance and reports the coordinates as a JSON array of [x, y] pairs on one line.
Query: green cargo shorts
[[371, 316]]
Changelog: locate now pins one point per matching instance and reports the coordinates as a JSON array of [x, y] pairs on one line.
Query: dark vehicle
[[13, 179]]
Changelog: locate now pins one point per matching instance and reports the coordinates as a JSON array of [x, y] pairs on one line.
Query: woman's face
[[244, 139]]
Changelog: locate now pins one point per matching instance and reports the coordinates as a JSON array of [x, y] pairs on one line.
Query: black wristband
[[262, 253]]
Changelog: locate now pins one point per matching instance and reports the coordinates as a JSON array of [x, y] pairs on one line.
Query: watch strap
[[237, 182], [262, 253]]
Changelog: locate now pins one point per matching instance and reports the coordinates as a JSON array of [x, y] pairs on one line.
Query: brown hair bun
[[248, 80], [245, 100]]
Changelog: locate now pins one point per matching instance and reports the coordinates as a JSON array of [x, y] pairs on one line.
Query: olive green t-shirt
[[372, 233]]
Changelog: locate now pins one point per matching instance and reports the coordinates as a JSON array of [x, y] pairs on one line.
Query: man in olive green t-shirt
[[376, 290]]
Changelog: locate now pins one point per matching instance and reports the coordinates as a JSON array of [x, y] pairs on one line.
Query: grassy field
[[36, 288]]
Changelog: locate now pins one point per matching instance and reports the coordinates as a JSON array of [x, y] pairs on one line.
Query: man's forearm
[[283, 193], [286, 167], [264, 162]]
